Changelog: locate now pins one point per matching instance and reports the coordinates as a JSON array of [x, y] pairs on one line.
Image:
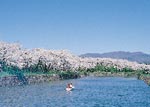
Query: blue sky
[[81, 26]]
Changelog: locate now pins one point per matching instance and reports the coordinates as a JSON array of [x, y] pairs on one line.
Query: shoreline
[[24, 79], [144, 78], [42, 78], [39, 65], [32, 79]]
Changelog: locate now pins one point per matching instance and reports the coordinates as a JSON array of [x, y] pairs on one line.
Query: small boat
[[69, 89], [72, 87]]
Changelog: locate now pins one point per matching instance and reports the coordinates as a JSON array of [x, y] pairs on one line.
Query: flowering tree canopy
[[14, 55]]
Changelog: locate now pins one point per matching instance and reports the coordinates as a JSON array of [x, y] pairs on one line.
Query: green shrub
[[68, 74]]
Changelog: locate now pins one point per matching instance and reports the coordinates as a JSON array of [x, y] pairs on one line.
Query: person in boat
[[68, 88], [71, 85]]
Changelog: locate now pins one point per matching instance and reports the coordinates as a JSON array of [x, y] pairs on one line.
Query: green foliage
[[15, 71], [127, 70], [40, 67], [12, 70], [68, 74], [101, 68]]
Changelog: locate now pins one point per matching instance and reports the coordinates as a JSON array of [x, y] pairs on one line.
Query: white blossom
[[13, 54]]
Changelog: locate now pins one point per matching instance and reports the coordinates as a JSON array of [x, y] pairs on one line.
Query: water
[[88, 92]]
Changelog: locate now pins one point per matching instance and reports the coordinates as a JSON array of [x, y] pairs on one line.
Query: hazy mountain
[[131, 56]]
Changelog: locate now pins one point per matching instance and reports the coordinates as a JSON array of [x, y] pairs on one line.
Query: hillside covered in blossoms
[[13, 54]]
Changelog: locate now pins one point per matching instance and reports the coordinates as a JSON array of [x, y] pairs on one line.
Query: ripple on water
[[89, 92]]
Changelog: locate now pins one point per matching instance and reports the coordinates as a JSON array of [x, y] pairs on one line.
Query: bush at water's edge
[[25, 75]]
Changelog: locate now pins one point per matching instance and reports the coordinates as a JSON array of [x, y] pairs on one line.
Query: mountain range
[[139, 57]]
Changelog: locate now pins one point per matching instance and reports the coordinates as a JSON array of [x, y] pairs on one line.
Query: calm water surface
[[88, 92]]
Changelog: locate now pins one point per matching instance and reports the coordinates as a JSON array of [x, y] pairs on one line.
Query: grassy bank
[[38, 69], [99, 70], [61, 74]]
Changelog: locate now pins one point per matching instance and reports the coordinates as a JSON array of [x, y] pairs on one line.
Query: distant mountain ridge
[[139, 57]]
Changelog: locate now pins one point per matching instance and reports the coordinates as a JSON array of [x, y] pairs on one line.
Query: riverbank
[[23, 80], [12, 76], [34, 78], [145, 78], [20, 78], [39, 65]]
